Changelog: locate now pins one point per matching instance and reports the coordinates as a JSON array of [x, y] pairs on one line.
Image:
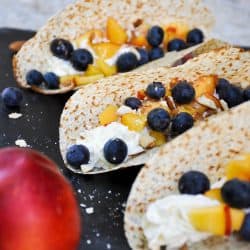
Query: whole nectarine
[[38, 209]]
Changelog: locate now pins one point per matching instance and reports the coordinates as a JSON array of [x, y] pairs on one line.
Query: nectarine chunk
[[139, 41], [105, 50], [105, 68], [237, 218], [92, 70], [89, 37], [115, 32], [83, 80], [177, 30], [214, 194], [134, 122], [205, 85], [108, 115], [160, 138]]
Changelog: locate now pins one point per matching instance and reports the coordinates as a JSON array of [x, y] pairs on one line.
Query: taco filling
[[101, 53], [156, 115], [201, 211]]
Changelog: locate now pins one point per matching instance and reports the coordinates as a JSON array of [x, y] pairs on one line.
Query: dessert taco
[[121, 121]]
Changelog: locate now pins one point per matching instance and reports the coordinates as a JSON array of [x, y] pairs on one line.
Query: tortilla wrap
[[84, 15], [82, 109], [206, 148]]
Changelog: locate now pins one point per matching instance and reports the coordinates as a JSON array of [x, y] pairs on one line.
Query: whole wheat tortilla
[[82, 109], [207, 148], [85, 15]]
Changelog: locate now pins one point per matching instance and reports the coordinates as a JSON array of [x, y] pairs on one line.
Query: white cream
[[125, 110], [96, 138], [166, 222]]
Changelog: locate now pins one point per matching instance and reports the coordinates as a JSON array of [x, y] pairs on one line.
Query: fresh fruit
[[12, 97], [82, 80], [237, 218], [126, 62], [246, 94], [51, 80], [105, 50], [181, 122], [77, 155], [239, 168], [108, 115], [115, 32], [134, 122], [38, 206], [183, 92], [89, 37], [177, 30], [156, 53], [205, 85], [158, 119], [155, 36], [105, 68], [214, 194], [160, 138], [195, 36], [156, 90], [81, 58], [115, 151], [236, 193], [92, 70], [65, 80], [141, 94], [34, 77], [222, 84], [245, 228], [193, 182], [133, 102], [144, 56], [61, 48], [139, 41], [176, 45]]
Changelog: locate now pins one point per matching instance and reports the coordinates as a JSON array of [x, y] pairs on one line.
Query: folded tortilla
[[82, 109], [85, 15], [206, 148]]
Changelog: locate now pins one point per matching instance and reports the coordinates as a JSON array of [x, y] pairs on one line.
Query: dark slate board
[[39, 128]]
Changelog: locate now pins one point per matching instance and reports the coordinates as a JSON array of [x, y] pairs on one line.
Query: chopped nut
[[16, 46]]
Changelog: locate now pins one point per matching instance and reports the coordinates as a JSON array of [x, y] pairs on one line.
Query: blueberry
[[77, 155], [126, 62], [156, 53], [222, 84], [236, 193], [245, 228], [158, 119], [181, 122], [81, 58], [133, 102], [115, 151], [61, 48], [195, 36], [183, 92], [156, 90], [12, 97], [144, 57], [176, 45], [193, 182], [34, 77], [52, 80], [155, 36], [246, 94]]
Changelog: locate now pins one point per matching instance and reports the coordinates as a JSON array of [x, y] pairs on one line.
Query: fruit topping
[[181, 122], [34, 77], [77, 155], [115, 151], [177, 30], [82, 80], [133, 102], [134, 122], [115, 32], [214, 194], [108, 115], [195, 36], [141, 94], [205, 85], [156, 53], [61, 48], [183, 92], [156, 90], [90, 37], [158, 119], [105, 68], [139, 41], [126, 62], [144, 56], [105, 50], [176, 45], [155, 36], [12, 97], [51, 80], [81, 58], [246, 93], [245, 228], [92, 70], [160, 138], [193, 182], [236, 193]]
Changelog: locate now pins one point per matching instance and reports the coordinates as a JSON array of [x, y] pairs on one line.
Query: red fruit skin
[[38, 209]]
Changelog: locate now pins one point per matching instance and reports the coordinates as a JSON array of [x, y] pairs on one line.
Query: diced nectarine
[[92, 70], [160, 138], [67, 79], [133, 121], [105, 50], [108, 115], [139, 41], [237, 218], [214, 194], [82, 80], [115, 32], [205, 85], [89, 37], [105, 68], [177, 30]]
